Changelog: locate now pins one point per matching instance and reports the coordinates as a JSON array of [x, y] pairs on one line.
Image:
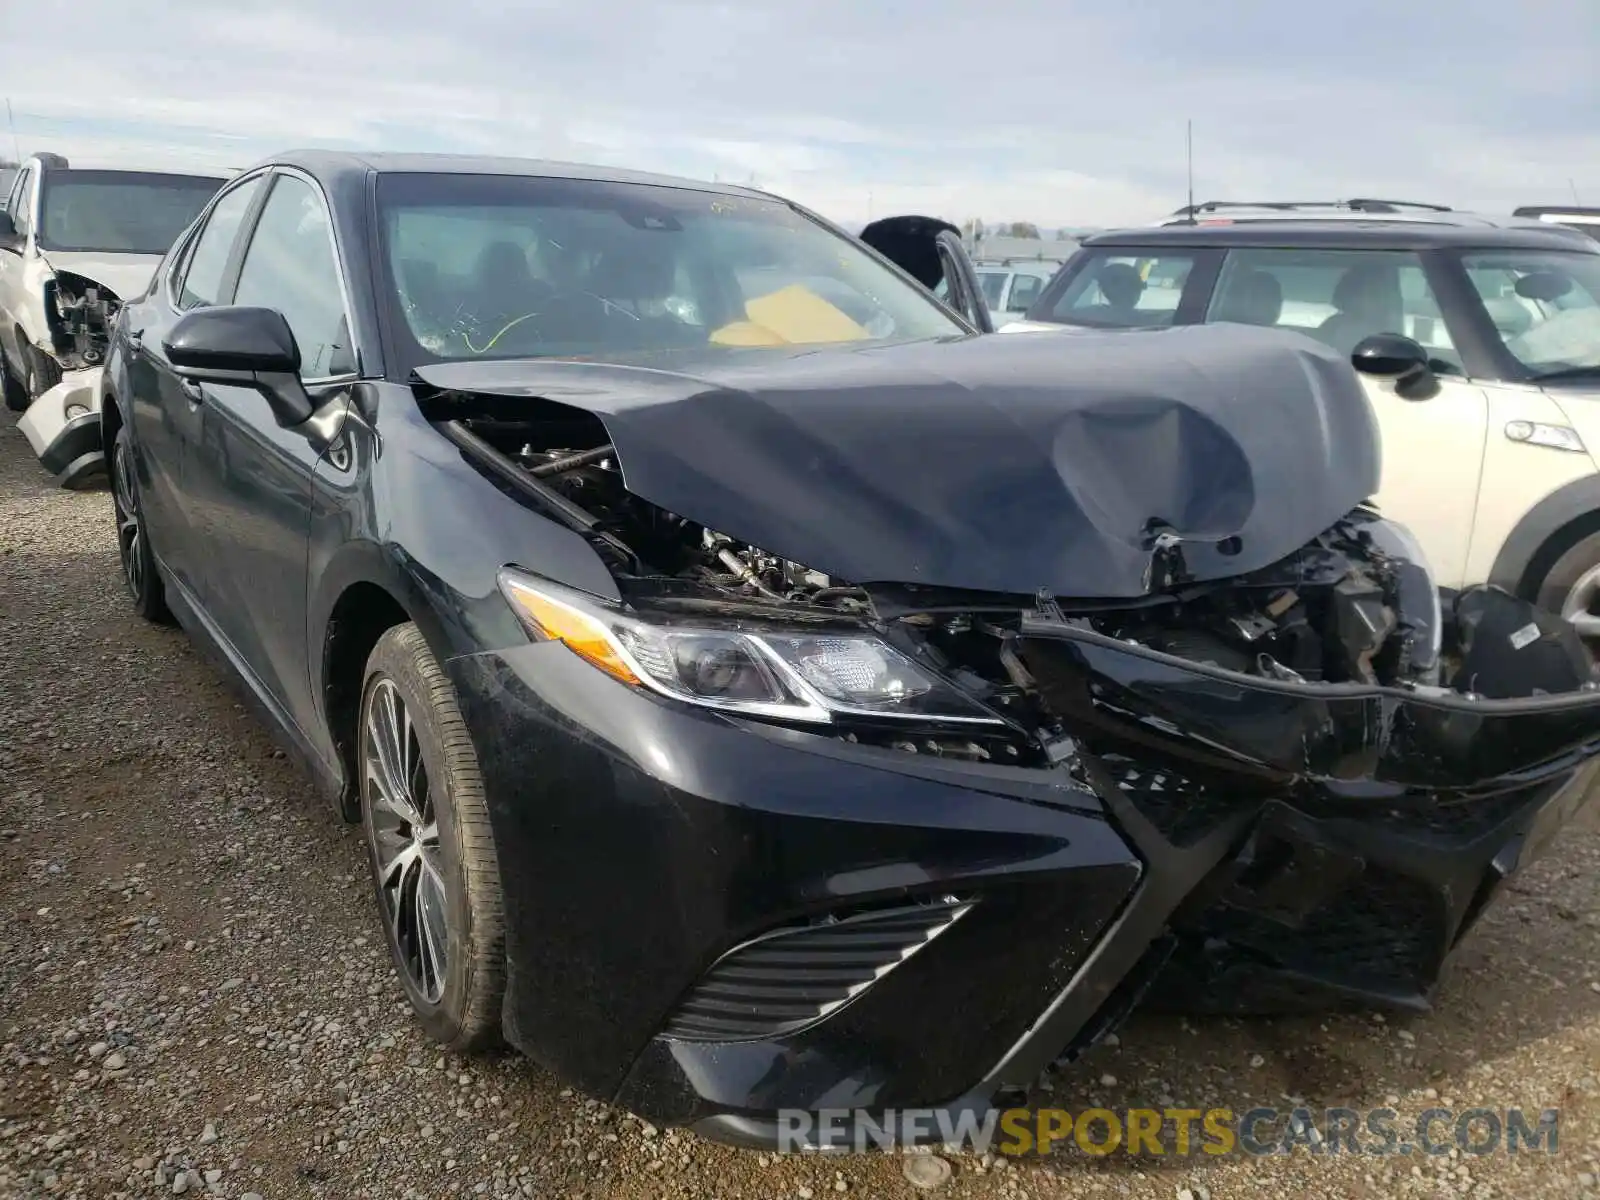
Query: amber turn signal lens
[[577, 631]]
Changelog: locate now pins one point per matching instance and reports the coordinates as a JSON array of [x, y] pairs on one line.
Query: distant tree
[[1022, 229], [972, 229]]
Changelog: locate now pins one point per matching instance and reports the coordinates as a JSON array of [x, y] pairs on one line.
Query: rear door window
[[1338, 297]]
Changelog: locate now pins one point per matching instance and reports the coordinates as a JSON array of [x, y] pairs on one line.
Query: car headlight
[[792, 674]]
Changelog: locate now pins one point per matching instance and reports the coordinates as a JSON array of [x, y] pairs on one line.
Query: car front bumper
[[710, 921], [66, 440]]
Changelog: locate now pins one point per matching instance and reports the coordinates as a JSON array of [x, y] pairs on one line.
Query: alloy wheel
[[1582, 604], [130, 533], [403, 833]]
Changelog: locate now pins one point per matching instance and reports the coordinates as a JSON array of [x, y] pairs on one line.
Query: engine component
[[80, 313], [1354, 605]]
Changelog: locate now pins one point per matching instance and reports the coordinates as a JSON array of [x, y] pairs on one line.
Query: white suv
[[1479, 343], [74, 244]]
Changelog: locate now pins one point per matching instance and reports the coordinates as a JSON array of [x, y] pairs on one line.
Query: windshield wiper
[[1566, 373]]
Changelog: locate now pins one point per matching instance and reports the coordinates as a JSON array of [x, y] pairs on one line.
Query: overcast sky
[[959, 108]]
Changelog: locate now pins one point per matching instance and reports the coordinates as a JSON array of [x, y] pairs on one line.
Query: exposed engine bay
[[80, 313], [1355, 605]]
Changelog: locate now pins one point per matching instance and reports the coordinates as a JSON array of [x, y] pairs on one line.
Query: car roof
[[332, 167], [1353, 234]]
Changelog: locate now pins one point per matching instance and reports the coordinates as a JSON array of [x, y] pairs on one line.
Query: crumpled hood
[[995, 464], [127, 275]]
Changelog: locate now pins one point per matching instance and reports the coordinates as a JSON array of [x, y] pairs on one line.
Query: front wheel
[[1572, 587], [429, 843], [16, 394], [44, 373]]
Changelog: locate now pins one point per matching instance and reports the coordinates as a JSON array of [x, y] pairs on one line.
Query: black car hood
[[1005, 464]]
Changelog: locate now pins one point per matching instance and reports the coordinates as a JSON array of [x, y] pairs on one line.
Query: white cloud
[[1026, 110]]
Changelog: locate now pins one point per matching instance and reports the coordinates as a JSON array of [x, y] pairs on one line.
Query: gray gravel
[[193, 1001]]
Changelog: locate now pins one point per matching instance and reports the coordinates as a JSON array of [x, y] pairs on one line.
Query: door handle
[[192, 391]]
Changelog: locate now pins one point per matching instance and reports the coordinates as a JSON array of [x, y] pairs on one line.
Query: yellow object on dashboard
[[791, 316]]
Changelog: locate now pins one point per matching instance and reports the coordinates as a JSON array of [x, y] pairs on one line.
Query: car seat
[[1252, 298], [1368, 301]]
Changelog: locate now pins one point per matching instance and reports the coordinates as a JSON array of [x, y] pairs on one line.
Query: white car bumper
[[63, 427]]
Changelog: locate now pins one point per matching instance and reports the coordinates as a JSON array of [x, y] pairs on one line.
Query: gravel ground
[[193, 998]]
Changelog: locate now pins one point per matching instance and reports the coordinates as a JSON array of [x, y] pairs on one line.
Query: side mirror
[[247, 347], [10, 239], [1402, 359]]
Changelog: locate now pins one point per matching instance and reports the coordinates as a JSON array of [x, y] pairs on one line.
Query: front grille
[[791, 978], [1183, 809], [1383, 935]]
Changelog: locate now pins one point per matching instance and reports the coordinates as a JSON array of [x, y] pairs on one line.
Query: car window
[[21, 214], [1124, 289], [1024, 291], [993, 284], [1544, 304], [290, 266], [209, 252], [1336, 296]]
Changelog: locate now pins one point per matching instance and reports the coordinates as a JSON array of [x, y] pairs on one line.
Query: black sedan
[[760, 690]]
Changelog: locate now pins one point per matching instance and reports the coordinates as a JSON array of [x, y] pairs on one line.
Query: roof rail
[[1555, 210], [1365, 205], [1353, 205]]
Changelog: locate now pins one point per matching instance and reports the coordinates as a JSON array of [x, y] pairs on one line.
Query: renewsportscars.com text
[[1180, 1132]]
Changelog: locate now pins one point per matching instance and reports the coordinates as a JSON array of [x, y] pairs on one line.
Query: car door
[[19, 208], [253, 477], [930, 250], [1539, 440], [1433, 448], [163, 407]]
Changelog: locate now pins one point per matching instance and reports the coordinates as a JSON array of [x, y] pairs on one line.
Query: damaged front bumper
[[710, 920], [63, 427]]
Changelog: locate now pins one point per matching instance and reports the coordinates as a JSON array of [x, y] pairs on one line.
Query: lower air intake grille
[[790, 978]]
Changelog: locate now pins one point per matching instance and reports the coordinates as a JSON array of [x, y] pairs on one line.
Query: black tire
[[1577, 561], [133, 536], [16, 395], [44, 373], [458, 1006]]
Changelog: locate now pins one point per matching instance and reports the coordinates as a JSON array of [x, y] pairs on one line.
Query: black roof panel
[[331, 167]]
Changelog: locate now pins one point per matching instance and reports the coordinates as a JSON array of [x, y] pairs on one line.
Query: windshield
[[485, 266], [1545, 306], [121, 212]]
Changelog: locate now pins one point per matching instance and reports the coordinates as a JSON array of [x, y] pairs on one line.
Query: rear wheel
[[133, 539], [429, 843], [1572, 587]]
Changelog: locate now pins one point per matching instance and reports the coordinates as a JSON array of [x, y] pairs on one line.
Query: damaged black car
[[759, 690]]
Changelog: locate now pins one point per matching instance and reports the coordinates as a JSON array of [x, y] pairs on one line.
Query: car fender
[[440, 569], [29, 315], [1519, 553]]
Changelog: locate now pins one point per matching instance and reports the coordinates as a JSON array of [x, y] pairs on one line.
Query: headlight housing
[[815, 676]]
